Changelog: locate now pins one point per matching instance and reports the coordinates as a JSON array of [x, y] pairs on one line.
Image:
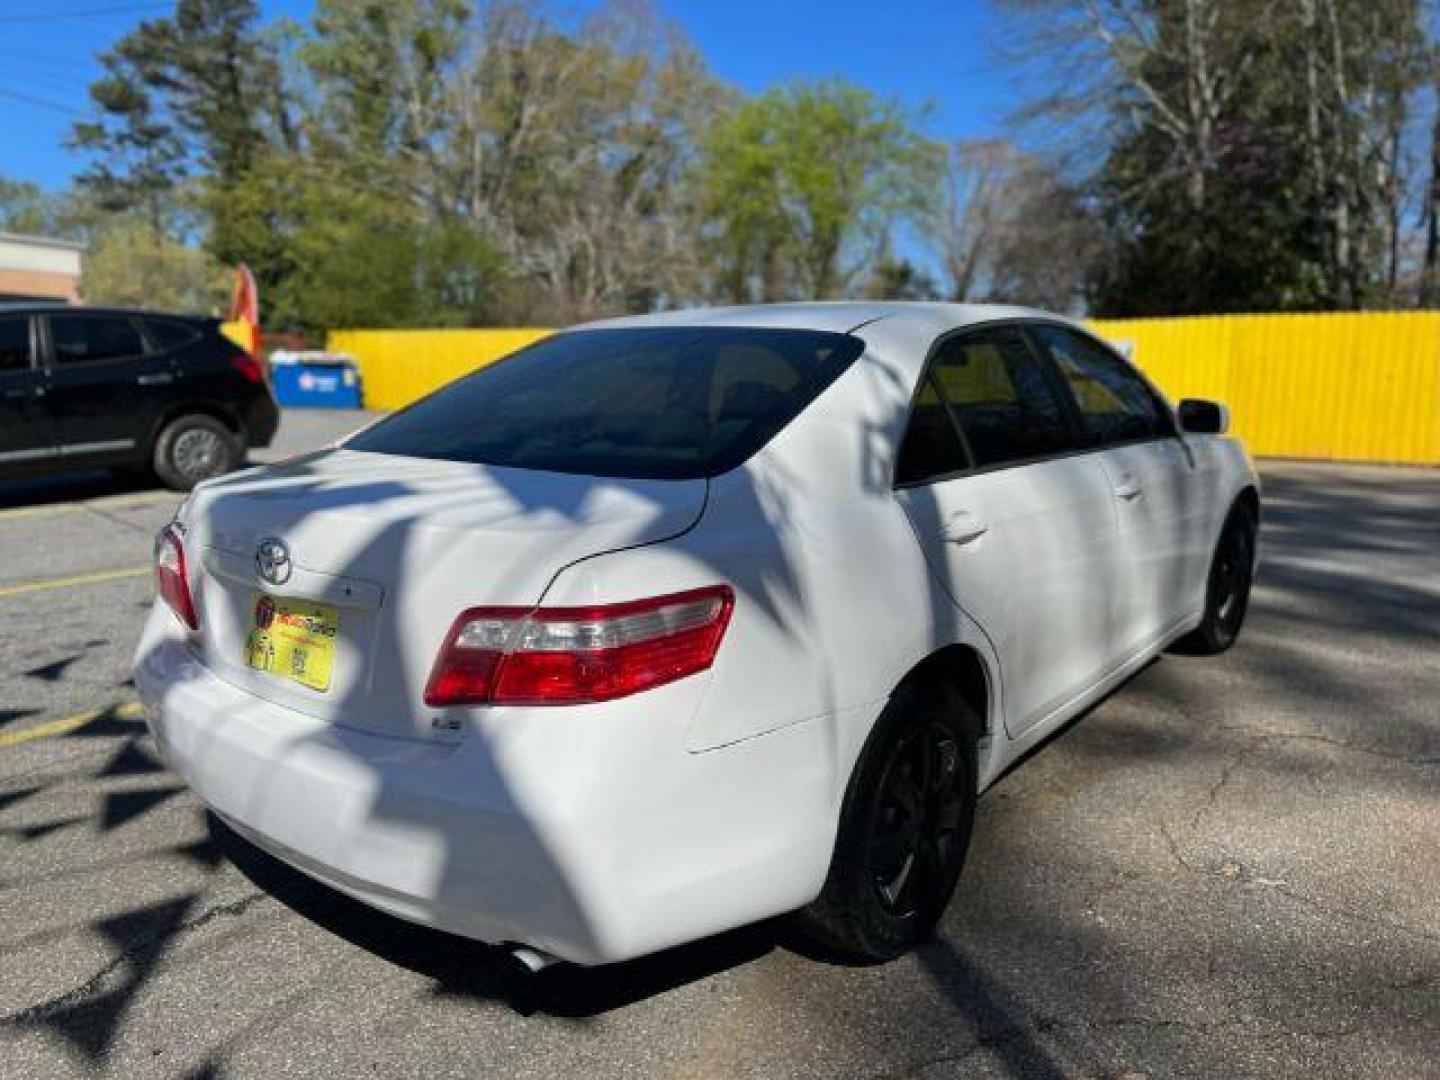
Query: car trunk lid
[[390, 550]]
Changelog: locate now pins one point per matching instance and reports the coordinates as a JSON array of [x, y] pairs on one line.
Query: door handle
[[1128, 488], [154, 380], [963, 527]]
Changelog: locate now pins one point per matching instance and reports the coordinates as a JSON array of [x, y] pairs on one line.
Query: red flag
[[242, 325]]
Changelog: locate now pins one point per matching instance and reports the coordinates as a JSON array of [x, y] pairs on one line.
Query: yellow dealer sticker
[[294, 639]]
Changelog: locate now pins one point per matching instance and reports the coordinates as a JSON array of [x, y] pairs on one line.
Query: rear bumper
[[594, 837], [262, 420]]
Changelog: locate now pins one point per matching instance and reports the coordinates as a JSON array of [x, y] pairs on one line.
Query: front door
[[1017, 522], [1151, 472], [23, 439]]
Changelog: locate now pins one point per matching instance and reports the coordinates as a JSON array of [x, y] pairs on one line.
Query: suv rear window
[[167, 334], [661, 403]]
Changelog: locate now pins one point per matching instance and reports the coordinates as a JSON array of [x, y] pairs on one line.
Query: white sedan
[[669, 624]]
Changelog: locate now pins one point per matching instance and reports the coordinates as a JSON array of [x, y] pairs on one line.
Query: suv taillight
[[567, 656], [172, 580], [248, 367]]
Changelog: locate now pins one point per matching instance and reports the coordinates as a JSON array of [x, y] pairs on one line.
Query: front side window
[[14, 343], [80, 339], [1007, 406], [663, 403], [1114, 401]]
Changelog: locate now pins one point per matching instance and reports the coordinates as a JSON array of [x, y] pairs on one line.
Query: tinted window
[[14, 343], [1007, 406], [167, 334], [82, 339], [666, 403], [932, 445], [1114, 400]]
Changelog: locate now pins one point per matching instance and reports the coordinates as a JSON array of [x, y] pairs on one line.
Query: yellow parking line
[[40, 511], [104, 502], [68, 582], [126, 710]]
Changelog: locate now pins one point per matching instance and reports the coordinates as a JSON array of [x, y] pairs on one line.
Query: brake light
[[247, 366], [172, 581], [567, 656]]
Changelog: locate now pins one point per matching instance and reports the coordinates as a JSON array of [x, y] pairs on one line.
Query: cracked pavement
[[1230, 867]]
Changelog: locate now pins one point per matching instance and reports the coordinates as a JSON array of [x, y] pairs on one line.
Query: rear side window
[[932, 446], [80, 339], [14, 343], [659, 403], [1116, 404], [1008, 408], [167, 334]]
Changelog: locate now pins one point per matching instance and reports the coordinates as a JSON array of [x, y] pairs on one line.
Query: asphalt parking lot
[[1229, 868]]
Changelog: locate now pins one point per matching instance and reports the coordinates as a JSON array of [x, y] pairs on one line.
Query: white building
[[39, 268]]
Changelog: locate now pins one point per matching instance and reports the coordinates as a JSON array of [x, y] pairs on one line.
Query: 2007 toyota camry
[[668, 624]]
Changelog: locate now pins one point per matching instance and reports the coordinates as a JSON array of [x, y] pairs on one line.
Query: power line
[[84, 13], [39, 102]]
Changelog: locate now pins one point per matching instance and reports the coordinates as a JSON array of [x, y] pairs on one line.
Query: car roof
[[838, 316], [12, 307]]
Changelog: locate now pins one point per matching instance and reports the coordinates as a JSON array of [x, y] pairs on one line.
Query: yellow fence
[[398, 366], [1351, 386], [1359, 386]]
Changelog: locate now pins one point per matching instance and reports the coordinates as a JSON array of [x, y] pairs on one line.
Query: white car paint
[[604, 831]]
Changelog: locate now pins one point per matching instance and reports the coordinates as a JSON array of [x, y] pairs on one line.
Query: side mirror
[[1201, 417]]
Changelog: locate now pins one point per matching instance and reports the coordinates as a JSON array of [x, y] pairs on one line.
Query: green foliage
[[802, 185], [362, 260], [130, 264], [25, 208]]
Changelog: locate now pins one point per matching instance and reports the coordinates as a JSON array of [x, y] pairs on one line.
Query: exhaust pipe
[[534, 960]]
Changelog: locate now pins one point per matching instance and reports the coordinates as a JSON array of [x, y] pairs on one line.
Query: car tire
[[1227, 589], [194, 448], [897, 858]]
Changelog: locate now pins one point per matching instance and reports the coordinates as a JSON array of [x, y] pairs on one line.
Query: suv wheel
[[194, 448], [904, 830]]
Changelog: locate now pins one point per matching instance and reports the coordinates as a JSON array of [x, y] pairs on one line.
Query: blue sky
[[925, 52]]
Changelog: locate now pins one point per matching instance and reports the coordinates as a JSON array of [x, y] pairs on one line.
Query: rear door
[[105, 391], [1016, 519], [23, 437], [1151, 473]]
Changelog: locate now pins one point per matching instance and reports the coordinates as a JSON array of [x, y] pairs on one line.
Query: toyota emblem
[[272, 560]]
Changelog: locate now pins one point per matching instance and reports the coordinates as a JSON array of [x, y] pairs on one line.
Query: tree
[[1242, 154], [1430, 266], [25, 208], [130, 264], [811, 177], [899, 279], [1007, 227], [573, 151], [195, 93], [138, 157]]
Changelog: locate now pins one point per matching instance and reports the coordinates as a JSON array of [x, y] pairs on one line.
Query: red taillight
[[172, 581], [247, 366], [567, 656]]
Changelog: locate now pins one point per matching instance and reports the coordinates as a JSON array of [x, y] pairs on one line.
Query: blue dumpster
[[315, 380]]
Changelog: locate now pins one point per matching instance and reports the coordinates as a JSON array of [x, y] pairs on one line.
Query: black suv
[[129, 389]]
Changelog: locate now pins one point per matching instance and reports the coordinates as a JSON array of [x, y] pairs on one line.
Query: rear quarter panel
[[835, 601]]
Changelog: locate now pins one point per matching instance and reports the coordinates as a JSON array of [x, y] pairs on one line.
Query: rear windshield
[[666, 404]]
